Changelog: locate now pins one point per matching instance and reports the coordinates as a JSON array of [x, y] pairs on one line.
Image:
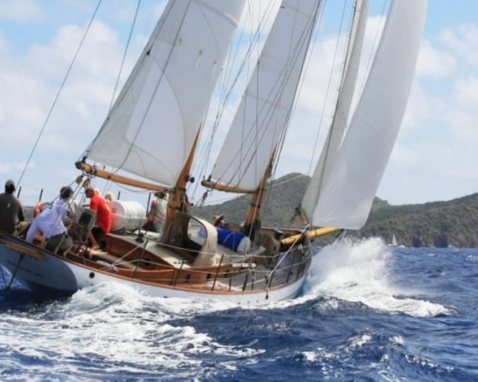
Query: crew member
[[11, 210]]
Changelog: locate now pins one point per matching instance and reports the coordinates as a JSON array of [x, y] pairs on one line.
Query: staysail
[[263, 114], [347, 193], [153, 123]]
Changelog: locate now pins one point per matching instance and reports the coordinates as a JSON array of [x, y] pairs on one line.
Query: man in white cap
[[11, 210]]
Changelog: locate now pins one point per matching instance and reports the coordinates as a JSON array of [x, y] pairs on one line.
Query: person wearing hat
[[11, 210], [50, 223]]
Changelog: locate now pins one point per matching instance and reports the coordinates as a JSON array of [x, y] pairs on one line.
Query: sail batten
[[153, 123]]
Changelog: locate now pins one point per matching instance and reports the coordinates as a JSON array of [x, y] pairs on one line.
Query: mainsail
[[346, 194], [263, 114], [153, 123]]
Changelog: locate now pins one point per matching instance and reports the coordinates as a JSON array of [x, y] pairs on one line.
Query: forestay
[[153, 123], [346, 195]]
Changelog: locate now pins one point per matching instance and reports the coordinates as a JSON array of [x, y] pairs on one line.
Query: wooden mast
[[252, 222], [178, 200]]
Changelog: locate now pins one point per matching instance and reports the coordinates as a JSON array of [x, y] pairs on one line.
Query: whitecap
[[359, 271]]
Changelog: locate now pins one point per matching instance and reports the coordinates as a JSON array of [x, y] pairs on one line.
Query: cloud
[[21, 10], [4, 45], [463, 41], [29, 88], [434, 62], [29, 82]]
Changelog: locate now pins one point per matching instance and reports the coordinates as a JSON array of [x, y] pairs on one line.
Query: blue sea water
[[368, 312]]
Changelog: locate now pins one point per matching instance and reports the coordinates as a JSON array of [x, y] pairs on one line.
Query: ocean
[[368, 312]]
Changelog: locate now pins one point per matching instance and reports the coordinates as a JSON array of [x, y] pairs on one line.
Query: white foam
[[358, 271], [112, 324]]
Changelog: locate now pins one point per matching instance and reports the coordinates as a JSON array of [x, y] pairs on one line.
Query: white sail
[[264, 111], [346, 195], [339, 124], [155, 119]]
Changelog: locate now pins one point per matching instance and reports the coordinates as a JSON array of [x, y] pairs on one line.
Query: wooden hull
[[42, 271]]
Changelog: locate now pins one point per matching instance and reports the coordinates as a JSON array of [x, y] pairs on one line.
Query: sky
[[435, 156]]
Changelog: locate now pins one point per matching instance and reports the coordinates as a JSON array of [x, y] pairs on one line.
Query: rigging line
[[59, 91], [376, 39], [158, 28], [245, 62], [125, 53], [316, 19], [225, 76], [156, 88], [277, 92], [351, 46], [306, 38], [329, 85], [202, 164], [3, 276], [14, 274]]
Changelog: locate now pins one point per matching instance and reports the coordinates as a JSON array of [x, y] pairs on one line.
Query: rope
[[59, 92], [15, 272], [125, 53], [3, 276], [328, 89], [289, 250]]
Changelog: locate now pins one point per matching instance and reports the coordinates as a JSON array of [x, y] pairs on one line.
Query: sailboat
[[151, 134]]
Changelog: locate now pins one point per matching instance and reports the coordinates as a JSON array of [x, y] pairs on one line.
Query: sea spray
[[359, 271]]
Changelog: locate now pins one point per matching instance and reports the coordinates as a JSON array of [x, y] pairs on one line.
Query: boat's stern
[[35, 268]]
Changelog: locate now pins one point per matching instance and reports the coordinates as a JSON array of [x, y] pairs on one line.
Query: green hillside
[[439, 224]]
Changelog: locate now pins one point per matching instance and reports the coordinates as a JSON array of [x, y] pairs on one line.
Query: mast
[[252, 222], [178, 200]]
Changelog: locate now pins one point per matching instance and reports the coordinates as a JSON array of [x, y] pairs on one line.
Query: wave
[[113, 328], [359, 271]]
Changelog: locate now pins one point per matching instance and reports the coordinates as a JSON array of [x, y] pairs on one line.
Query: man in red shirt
[[103, 217]]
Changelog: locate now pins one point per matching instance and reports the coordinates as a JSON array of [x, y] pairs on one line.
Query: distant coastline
[[438, 224]]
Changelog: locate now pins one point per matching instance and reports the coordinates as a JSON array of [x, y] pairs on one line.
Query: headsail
[[263, 115], [155, 119], [346, 195]]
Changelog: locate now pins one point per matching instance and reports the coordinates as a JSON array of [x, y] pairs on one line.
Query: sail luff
[[344, 102], [151, 128], [348, 192], [263, 114]]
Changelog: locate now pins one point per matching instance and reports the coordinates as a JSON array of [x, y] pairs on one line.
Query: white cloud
[[4, 45], [463, 40], [21, 10], [29, 83], [440, 126], [433, 62]]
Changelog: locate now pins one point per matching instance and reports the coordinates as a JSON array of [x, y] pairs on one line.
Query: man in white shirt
[[50, 223]]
